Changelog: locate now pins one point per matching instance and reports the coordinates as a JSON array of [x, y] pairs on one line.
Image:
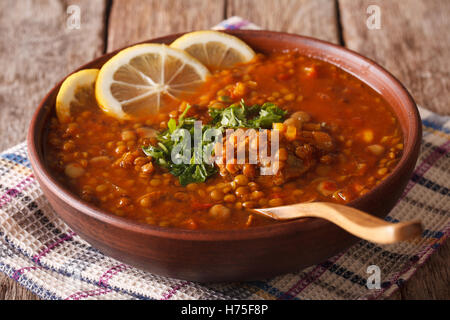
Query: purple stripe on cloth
[[309, 278], [103, 282], [238, 25], [88, 293], [49, 247], [104, 279], [21, 271], [427, 163], [13, 192], [174, 289]]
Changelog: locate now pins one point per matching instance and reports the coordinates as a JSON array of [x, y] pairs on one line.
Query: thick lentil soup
[[338, 138]]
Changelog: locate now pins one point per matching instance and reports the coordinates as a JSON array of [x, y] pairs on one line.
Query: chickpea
[[240, 89], [145, 201], [201, 193], [120, 149], [192, 186], [180, 196], [301, 116], [227, 189], [128, 135], [216, 195], [155, 182], [241, 191], [83, 163], [74, 170], [145, 132], [253, 185], [262, 202], [289, 97], [293, 122], [275, 202], [241, 180], [218, 105], [382, 171], [249, 170], [257, 195], [230, 198], [220, 211], [367, 135], [100, 161], [69, 146], [249, 204], [276, 189], [376, 149], [101, 188]]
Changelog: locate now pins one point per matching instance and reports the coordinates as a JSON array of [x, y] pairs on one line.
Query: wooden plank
[[431, 281], [138, 20], [37, 49], [413, 43], [43, 49], [315, 18]]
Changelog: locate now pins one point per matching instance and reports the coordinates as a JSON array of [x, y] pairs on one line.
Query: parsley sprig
[[177, 152]]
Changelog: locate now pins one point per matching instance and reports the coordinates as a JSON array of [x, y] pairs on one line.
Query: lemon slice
[[76, 93], [216, 50], [139, 80]]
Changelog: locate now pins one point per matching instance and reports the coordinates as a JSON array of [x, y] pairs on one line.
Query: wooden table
[[38, 49]]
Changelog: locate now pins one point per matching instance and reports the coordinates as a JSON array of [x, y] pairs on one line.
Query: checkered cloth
[[40, 251]]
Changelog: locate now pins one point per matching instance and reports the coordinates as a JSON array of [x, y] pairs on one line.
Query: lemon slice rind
[[190, 40], [68, 89]]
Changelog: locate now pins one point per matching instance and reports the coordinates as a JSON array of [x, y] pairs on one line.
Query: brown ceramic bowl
[[255, 253]]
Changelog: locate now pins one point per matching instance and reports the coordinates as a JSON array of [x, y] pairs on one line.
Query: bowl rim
[[267, 231]]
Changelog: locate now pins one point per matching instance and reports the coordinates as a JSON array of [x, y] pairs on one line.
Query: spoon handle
[[352, 220]]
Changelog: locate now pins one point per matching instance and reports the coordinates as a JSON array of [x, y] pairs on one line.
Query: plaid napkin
[[40, 251]]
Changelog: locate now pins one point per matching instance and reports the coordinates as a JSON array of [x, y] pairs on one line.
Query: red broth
[[346, 139]]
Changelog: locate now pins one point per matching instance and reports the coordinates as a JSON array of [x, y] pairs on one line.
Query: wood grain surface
[[37, 50], [314, 18], [137, 20], [413, 43]]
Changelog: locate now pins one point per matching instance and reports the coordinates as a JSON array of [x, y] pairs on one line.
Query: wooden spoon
[[356, 222]]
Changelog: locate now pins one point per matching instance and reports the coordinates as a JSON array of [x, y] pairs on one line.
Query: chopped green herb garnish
[[176, 149], [243, 116]]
